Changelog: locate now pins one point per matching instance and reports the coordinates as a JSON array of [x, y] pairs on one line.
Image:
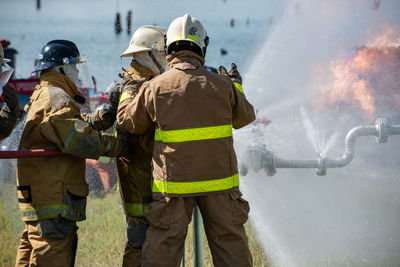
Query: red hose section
[[36, 153]]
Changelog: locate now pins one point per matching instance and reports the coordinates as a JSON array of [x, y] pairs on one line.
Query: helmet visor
[[85, 79], [5, 75]]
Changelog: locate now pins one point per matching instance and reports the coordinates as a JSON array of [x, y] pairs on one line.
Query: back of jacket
[[194, 111], [52, 186]]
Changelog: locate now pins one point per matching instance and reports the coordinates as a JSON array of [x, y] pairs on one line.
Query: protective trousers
[[51, 242], [223, 215]]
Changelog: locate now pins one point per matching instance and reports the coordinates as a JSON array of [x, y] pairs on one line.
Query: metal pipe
[[36, 153], [259, 157], [343, 160], [295, 163], [183, 257], [197, 237]]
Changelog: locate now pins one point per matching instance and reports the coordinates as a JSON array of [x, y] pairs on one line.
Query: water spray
[[258, 157]]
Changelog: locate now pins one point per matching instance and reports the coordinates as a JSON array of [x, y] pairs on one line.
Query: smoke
[[351, 216]]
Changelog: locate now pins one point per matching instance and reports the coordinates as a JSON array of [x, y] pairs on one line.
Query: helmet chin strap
[[156, 62]]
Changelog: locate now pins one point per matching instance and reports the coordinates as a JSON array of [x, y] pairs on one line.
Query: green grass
[[102, 236], [11, 225]]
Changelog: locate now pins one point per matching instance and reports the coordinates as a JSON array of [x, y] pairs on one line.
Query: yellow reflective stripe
[[136, 209], [70, 138], [124, 96], [193, 134], [43, 212], [191, 37], [103, 159], [169, 187], [239, 87]]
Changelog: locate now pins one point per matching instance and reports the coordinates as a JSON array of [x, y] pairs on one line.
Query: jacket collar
[[137, 71], [52, 78], [184, 60]]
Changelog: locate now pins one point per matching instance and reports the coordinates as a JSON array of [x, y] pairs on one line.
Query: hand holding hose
[[233, 73]]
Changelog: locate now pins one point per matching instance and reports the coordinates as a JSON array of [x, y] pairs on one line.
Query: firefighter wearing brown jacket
[[194, 161], [52, 191], [134, 170]]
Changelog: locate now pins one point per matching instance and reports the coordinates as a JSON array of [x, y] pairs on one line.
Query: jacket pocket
[[75, 198], [80, 190], [240, 208], [160, 213]]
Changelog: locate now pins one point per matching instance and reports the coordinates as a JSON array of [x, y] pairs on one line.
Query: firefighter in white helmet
[[194, 162], [146, 48], [9, 111]]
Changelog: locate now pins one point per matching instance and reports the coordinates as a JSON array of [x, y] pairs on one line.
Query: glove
[[233, 73], [113, 98], [9, 112], [105, 117], [11, 98]]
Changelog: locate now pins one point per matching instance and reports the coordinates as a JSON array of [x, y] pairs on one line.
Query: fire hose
[[36, 153], [258, 157]]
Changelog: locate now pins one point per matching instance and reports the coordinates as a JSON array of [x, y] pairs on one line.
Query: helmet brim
[[132, 50]]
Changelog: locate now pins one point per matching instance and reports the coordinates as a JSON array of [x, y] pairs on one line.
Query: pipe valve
[[321, 170], [382, 130]]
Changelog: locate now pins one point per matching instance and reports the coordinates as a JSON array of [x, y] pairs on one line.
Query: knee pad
[[136, 234]]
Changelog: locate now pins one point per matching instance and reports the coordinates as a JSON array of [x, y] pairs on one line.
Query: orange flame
[[389, 36], [367, 79]]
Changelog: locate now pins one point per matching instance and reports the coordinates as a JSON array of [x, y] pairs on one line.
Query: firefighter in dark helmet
[[52, 191]]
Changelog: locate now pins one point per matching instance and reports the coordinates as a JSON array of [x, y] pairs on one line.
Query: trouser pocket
[[58, 228], [240, 208], [75, 198], [160, 213]]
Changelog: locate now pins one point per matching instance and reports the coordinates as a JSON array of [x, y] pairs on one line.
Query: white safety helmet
[[150, 39], [146, 38], [187, 28], [2, 59]]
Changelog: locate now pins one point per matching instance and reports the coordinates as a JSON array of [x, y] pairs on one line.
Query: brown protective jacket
[[52, 186], [134, 170], [194, 111]]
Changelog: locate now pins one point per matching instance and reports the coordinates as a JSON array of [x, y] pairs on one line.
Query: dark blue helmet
[[56, 53]]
